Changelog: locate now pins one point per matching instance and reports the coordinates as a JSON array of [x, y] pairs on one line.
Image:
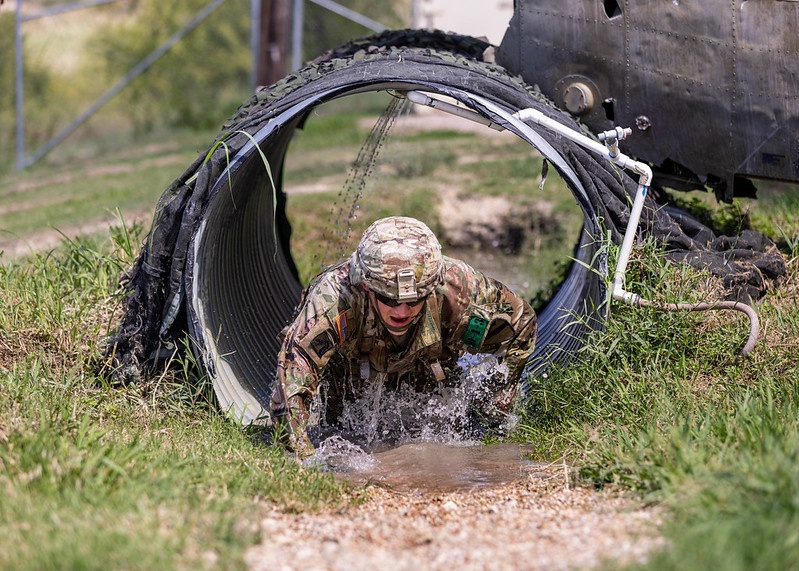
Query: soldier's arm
[[518, 341], [309, 343], [510, 328], [522, 345], [295, 383]]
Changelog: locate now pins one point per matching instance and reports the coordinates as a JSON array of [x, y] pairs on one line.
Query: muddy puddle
[[429, 441], [444, 468], [431, 466]]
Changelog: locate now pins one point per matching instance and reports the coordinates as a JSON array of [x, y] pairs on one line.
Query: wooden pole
[[273, 41]]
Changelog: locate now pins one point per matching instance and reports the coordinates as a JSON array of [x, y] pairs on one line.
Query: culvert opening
[[219, 264], [485, 193], [258, 245]]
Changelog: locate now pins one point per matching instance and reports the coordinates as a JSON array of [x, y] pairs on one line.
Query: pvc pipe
[[618, 292], [422, 99], [539, 118], [610, 150]]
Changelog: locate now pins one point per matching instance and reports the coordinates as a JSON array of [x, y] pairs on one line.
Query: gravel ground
[[539, 522]]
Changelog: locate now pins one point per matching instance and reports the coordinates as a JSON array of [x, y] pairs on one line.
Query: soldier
[[396, 307]]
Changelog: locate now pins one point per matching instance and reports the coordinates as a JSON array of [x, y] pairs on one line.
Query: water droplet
[[379, 416], [342, 455]]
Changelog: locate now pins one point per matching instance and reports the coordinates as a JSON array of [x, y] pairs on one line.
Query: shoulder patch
[[321, 345], [342, 326]]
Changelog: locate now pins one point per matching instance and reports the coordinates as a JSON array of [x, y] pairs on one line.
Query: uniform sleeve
[[495, 319], [512, 333], [292, 394], [309, 343]]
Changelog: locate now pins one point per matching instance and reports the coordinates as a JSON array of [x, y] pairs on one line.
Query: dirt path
[[537, 523]]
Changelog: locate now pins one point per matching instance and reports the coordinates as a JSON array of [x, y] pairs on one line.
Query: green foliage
[[410, 163], [660, 404], [202, 78], [779, 216]]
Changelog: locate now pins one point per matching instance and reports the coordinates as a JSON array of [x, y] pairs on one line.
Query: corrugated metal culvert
[[218, 264]]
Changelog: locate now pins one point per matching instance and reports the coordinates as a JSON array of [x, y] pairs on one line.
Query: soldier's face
[[397, 319]]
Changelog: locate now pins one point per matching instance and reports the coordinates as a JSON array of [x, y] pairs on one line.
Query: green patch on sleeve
[[475, 331]]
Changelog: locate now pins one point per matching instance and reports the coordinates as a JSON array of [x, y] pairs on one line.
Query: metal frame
[[24, 162], [137, 70]]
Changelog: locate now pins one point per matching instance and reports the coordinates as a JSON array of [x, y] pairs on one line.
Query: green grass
[[80, 196], [72, 190], [153, 476], [95, 476], [659, 404]]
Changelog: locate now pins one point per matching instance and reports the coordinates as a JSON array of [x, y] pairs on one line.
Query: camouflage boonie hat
[[398, 257]]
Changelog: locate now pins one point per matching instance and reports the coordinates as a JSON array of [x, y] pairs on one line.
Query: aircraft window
[[612, 8]]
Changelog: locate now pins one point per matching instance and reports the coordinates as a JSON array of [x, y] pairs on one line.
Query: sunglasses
[[395, 302]]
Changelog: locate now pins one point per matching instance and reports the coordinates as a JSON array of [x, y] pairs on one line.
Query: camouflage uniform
[[338, 336]]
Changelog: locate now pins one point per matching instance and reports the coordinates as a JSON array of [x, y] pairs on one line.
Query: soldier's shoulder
[[331, 280], [459, 273], [331, 292]]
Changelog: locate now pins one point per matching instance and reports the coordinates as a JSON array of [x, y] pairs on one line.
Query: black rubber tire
[[240, 283]]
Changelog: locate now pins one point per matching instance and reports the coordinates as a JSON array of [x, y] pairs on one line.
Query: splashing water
[[438, 467], [342, 455], [383, 433], [378, 416]]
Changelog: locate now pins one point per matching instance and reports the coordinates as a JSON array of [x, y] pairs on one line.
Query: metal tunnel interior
[[242, 287]]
